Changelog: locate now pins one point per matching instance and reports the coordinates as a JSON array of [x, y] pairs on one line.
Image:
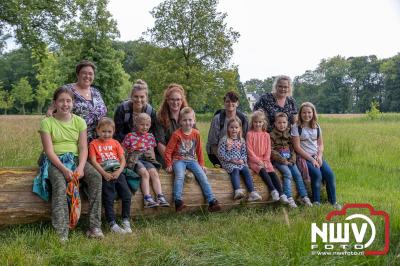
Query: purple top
[[90, 110]]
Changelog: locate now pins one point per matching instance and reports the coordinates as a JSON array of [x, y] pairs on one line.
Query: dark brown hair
[[84, 63], [62, 90], [232, 96]]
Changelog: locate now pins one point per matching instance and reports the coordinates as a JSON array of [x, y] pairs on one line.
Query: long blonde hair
[[259, 115], [314, 120]]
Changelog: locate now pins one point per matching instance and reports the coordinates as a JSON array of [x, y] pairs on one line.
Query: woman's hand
[[50, 111], [169, 169]]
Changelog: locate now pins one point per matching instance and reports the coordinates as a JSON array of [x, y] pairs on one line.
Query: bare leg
[[145, 182], [155, 180]]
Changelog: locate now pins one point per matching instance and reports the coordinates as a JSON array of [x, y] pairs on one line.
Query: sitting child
[[259, 151], [107, 156], [181, 153], [284, 159], [233, 157], [141, 158]]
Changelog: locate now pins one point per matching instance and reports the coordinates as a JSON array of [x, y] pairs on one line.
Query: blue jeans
[[248, 179], [324, 173], [289, 172], [179, 171]]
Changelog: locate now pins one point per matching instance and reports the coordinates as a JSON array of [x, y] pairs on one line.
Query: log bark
[[19, 205]]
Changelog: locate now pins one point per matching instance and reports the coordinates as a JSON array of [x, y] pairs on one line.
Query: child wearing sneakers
[[141, 157], [233, 157], [259, 152], [284, 159], [180, 154], [107, 156]]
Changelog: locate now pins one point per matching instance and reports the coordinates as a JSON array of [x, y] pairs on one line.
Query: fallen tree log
[[19, 205]]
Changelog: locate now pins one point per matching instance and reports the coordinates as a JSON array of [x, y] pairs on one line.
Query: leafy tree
[[35, 23], [196, 32], [390, 69], [22, 93], [6, 99], [91, 38], [17, 64], [48, 76]]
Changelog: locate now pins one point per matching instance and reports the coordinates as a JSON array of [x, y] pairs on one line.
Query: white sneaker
[[275, 195], [116, 229], [126, 226], [292, 203], [283, 199], [337, 206], [306, 201], [239, 194], [254, 196]]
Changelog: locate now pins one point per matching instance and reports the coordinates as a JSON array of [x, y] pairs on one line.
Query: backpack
[[127, 104], [222, 116], [299, 129]]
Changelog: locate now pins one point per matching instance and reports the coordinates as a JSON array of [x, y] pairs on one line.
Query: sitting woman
[[127, 111], [279, 100], [218, 125], [64, 140], [174, 101]]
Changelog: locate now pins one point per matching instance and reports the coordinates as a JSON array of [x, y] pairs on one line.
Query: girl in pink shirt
[[259, 153]]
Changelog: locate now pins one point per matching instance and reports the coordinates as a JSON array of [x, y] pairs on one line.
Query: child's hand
[[108, 176], [319, 159], [315, 163], [116, 174], [261, 164], [204, 169], [169, 169], [67, 174], [79, 171]]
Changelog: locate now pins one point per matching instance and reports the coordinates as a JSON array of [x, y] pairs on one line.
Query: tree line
[[189, 44]]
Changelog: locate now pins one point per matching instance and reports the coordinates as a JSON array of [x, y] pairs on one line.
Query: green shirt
[[64, 135]]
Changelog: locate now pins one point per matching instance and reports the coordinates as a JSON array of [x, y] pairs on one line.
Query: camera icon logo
[[354, 235]]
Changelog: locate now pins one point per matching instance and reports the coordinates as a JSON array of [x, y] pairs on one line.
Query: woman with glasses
[[168, 116]]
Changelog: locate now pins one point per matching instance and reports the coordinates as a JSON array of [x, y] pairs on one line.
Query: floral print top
[[90, 110], [232, 149], [269, 105]]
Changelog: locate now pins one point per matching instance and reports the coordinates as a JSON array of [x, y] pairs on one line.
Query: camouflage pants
[[59, 205]]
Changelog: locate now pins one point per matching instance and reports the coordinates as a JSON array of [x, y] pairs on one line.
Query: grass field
[[364, 155]]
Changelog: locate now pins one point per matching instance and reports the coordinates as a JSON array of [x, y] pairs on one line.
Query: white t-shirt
[[308, 138]]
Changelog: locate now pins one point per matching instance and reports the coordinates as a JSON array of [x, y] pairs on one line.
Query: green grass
[[364, 155]]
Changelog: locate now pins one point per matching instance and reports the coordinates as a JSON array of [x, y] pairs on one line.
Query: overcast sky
[[289, 36]]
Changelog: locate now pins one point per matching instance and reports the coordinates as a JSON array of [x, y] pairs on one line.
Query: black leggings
[[271, 180]]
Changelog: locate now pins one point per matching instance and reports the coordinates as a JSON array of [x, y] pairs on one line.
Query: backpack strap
[[127, 110], [299, 129]]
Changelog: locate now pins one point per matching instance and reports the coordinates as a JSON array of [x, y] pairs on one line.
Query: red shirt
[[136, 141], [105, 150], [184, 147]]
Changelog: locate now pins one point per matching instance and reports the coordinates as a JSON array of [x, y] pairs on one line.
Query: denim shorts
[[143, 164]]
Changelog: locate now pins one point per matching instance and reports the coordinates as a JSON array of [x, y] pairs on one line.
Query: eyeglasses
[[174, 99]]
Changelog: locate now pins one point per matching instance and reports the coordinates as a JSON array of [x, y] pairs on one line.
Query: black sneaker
[[214, 206], [179, 205]]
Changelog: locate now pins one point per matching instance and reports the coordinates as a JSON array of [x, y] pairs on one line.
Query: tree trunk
[[18, 204]]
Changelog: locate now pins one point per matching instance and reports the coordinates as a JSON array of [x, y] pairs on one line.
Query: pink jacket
[[259, 149]]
